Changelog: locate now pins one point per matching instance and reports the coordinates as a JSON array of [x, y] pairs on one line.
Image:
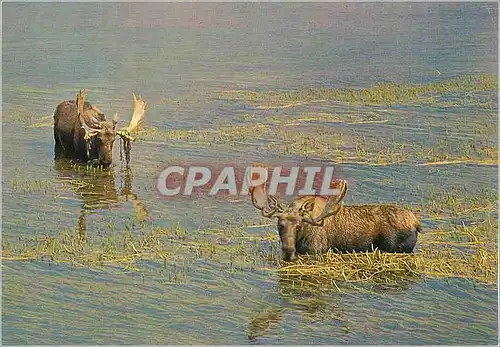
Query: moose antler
[[90, 124], [140, 108], [80, 101], [268, 205], [332, 206], [137, 120]]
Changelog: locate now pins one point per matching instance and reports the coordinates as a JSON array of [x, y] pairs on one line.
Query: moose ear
[[307, 206]]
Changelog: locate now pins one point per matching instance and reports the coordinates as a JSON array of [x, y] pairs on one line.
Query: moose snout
[[288, 253], [105, 160]]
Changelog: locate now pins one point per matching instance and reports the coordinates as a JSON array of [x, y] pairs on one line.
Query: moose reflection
[[96, 190], [316, 301]]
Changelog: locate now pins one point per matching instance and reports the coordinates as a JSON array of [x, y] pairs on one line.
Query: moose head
[[100, 134], [309, 210]]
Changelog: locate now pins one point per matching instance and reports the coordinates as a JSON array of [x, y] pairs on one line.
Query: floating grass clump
[[462, 252], [167, 246], [468, 252], [388, 93]]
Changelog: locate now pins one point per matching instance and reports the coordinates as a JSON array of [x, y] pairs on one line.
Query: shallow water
[[178, 56]]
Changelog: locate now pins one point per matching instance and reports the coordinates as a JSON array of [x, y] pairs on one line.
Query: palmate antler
[[267, 204], [138, 115], [332, 206], [89, 123], [80, 101]]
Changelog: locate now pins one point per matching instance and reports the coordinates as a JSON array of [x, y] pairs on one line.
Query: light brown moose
[[314, 224]]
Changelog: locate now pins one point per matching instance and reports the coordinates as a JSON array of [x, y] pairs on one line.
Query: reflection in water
[[264, 321], [316, 302], [309, 285], [96, 190]]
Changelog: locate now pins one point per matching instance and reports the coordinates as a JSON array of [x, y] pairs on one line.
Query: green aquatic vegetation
[[19, 114], [465, 251], [473, 99], [322, 144], [371, 150], [33, 186], [388, 93], [281, 136], [233, 134], [457, 202], [152, 133], [128, 249], [44, 185]]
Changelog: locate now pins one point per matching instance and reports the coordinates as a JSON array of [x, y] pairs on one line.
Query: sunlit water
[[188, 52]]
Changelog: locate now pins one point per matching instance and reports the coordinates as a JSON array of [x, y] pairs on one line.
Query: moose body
[[314, 224], [360, 228], [82, 132]]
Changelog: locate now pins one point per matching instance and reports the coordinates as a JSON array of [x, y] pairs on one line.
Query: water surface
[[178, 56]]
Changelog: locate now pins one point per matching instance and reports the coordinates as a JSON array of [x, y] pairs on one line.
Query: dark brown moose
[[82, 132], [314, 224]]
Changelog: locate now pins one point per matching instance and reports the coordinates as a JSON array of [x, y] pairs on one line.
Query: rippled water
[[178, 56]]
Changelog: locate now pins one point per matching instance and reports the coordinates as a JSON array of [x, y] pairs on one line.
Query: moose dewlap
[[313, 224]]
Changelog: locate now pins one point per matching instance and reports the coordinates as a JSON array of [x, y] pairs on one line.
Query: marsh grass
[[468, 252], [304, 134], [166, 246], [284, 138], [456, 202], [44, 185], [387, 93], [450, 250], [226, 134], [326, 144]]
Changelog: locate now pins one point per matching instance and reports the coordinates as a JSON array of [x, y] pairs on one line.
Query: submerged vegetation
[[387, 93], [460, 232], [328, 144], [342, 129], [452, 250]]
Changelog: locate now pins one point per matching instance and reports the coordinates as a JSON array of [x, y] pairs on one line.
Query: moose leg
[[58, 147], [82, 230]]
